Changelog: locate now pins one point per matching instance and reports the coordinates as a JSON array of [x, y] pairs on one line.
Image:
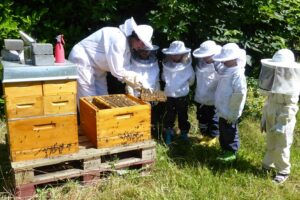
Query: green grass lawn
[[186, 171]]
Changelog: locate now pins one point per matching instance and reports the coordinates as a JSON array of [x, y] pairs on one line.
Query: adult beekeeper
[[279, 79], [108, 50]]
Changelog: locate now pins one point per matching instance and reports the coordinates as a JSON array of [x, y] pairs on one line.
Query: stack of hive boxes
[[40, 109]]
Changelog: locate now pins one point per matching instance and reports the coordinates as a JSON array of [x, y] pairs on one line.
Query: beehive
[[41, 112], [114, 120]]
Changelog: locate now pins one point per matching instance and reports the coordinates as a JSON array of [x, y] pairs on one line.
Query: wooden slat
[[88, 120], [124, 139], [44, 132], [59, 175], [119, 163], [23, 89], [118, 123], [59, 104], [58, 87], [26, 106], [47, 152], [82, 154]]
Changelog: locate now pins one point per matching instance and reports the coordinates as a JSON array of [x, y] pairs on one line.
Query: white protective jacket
[[230, 96], [279, 113], [106, 50], [207, 81], [148, 76], [178, 78]]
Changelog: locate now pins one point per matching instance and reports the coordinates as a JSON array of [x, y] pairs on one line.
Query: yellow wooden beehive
[[41, 118], [114, 120]]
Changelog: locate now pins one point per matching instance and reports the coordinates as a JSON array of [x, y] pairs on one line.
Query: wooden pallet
[[89, 165]]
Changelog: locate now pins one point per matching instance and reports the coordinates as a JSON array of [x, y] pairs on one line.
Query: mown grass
[[189, 171]]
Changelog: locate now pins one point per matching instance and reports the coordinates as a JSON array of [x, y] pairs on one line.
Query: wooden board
[[88, 120], [121, 119], [23, 89], [40, 137], [59, 87], [89, 161], [27, 106], [89, 164], [59, 104]]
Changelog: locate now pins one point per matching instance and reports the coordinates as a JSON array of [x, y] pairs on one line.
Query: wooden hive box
[[41, 119], [114, 120]]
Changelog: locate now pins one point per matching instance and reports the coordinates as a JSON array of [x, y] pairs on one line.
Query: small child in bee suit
[[279, 80], [178, 75], [144, 63], [230, 98], [207, 81]]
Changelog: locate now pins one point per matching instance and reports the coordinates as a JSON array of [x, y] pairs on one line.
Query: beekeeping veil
[[281, 74], [145, 57]]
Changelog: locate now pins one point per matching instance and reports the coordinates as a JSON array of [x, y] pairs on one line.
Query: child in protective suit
[[144, 63], [207, 80], [279, 80], [230, 98], [178, 75]]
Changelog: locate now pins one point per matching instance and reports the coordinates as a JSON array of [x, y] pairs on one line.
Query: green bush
[[254, 101]]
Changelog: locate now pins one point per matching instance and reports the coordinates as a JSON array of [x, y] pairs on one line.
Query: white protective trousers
[[278, 121]]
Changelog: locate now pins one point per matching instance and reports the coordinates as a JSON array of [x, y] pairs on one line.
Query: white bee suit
[[148, 76], [207, 81], [279, 119], [178, 78], [230, 96], [279, 80], [106, 50]]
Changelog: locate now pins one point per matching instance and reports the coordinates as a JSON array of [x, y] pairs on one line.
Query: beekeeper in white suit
[[108, 50], [280, 80]]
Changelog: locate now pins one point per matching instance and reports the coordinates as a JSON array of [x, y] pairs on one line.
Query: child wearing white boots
[[279, 80]]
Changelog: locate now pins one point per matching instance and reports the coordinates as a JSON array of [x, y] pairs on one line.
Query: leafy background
[[261, 27]]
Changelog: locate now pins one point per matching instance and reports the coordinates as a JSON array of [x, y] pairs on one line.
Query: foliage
[[254, 102], [261, 27]]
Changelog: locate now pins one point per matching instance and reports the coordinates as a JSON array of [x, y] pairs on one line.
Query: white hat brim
[[221, 58], [154, 48], [271, 63], [166, 51], [141, 36], [198, 54]]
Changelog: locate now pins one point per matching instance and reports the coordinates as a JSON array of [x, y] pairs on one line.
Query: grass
[[189, 171]]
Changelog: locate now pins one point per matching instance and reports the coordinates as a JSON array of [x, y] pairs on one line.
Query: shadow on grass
[[6, 175], [191, 153]]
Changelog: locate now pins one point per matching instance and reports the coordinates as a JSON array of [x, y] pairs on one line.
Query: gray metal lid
[[17, 72]]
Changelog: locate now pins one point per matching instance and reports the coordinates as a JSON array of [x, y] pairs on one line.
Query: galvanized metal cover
[[17, 72]]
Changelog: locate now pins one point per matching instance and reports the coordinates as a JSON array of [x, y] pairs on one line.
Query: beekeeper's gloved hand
[[131, 78], [146, 86]]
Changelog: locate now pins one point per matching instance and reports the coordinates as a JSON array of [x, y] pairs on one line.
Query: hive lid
[[17, 72]]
